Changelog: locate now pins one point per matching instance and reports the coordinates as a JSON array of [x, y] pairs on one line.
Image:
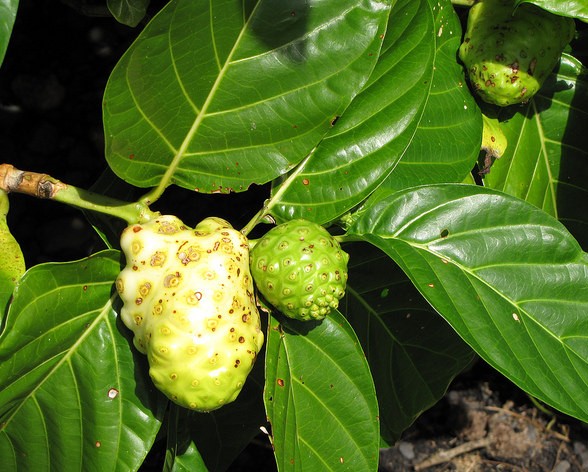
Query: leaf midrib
[[66, 358], [181, 151]]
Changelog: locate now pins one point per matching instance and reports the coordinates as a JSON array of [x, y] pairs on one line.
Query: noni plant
[[369, 227]]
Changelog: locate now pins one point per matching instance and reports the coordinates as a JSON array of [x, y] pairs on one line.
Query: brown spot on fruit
[[120, 285], [158, 259], [172, 280], [145, 289]]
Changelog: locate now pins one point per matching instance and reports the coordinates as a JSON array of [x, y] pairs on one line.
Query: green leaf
[[545, 161], [509, 278], [74, 395], [215, 96], [393, 131], [8, 9], [12, 264], [413, 353], [447, 141], [571, 8], [367, 141], [128, 12], [320, 397]]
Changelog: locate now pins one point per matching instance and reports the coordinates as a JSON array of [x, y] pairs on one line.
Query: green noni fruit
[[508, 53], [300, 269], [188, 297]]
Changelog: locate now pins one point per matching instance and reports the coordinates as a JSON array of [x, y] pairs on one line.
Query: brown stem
[[30, 183], [47, 187]]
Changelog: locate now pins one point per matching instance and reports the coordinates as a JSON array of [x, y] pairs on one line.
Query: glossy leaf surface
[[367, 141], [215, 96], [393, 131], [413, 353], [572, 8], [510, 279], [447, 140], [73, 393], [320, 397], [545, 159]]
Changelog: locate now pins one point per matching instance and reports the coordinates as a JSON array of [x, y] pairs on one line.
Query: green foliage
[[70, 396], [319, 396], [360, 118], [545, 160], [8, 9]]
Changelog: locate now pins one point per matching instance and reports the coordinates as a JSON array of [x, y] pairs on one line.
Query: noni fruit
[[508, 53], [188, 297], [300, 269]]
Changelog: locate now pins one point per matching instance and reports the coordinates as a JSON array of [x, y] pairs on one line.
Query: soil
[[484, 423], [51, 88]]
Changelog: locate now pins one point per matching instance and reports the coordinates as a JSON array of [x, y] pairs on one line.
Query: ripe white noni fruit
[[188, 298]]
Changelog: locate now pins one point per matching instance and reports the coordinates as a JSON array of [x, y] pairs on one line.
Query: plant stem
[[259, 216], [46, 187], [347, 238], [463, 3]]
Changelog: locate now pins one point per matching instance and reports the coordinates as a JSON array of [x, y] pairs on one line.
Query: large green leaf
[[215, 96], [74, 395], [319, 397], [8, 9], [394, 129], [413, 353], [367, 141], [545, 160], [509, 278], [447, 141]]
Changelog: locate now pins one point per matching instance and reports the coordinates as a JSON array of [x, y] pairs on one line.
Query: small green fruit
[[189, 300], [300, 269], [508, 53]]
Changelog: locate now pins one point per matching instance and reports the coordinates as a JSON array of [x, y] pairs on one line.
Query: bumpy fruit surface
[[188, 298], [509, 55], [300, 269]]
